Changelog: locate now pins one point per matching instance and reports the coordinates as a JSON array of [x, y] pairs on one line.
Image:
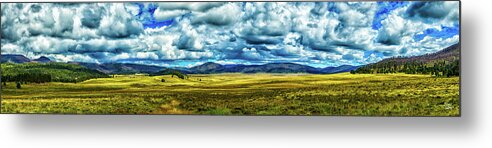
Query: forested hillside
[[445, 63], [47, 72]]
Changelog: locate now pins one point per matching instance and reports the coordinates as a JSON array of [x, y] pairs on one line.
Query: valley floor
[[242, 94]]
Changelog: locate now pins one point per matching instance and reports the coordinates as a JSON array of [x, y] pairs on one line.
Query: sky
[[185, 34]]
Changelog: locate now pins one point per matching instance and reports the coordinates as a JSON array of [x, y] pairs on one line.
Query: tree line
[[50, 72], [28, 77], [438, 68], [172, 72]]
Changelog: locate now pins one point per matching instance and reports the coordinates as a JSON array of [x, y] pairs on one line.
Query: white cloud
[[72, 58], [50, 45], [189, 39], [262, 31], [192, 6], [251, 54], [147, 55], [166, 15], [12, 49], [168, 10], [119, 23]]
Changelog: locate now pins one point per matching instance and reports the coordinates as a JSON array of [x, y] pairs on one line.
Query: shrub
[[18, 85]]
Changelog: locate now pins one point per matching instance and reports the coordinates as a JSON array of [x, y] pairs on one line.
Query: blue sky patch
[[384, 8], [332, 8], [369, 52], [140, 8], [149, 21], [158, 24], [444, 33]]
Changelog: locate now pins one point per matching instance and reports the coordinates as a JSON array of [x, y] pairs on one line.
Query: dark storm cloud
[[92, 16], [258, 39], [428, 9], [35, 8], [389, 39], [185, 42]]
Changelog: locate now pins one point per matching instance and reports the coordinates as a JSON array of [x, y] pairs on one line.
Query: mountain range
[[211, 67], [449, 54], [206, 68], [121, 68], [14, 58], [17, 58]]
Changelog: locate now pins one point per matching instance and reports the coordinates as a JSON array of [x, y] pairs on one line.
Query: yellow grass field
[[242, 94]]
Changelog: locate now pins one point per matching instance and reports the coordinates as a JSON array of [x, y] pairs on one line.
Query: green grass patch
[[242, 94]]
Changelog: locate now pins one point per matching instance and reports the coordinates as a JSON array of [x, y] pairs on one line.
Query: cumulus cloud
[[436, 10], [395, 28], [189, 33], [119, 23], [251, 54], [224, 15], [189, 39], [169, 14], [168, 10], [193, 6], [91, 16]]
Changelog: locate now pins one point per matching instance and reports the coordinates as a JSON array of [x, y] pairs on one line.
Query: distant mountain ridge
[[210, 67], [17, 58], [42, 59], [14, 58], [206, 68], [121, 68]]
